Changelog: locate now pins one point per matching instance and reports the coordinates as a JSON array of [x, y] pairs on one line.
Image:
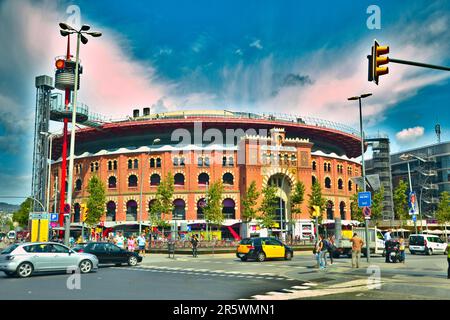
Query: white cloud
[[256, 44], [409, 135]]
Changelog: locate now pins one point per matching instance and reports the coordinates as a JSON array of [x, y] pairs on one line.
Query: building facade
[[199, 147]]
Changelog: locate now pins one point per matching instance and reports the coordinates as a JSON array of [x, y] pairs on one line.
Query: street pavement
[[223, 276]]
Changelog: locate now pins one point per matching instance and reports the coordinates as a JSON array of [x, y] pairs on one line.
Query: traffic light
[[84, 211], [376, 60], [316, 211]]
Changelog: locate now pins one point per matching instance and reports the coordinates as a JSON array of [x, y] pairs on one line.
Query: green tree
[[268, 207], [377, 205], [22, 215], [213, 209], [249, 202], [400, 199], [357, 213], [316, 199], [297, 198], [163, 203], [443, 208], [96, 201]]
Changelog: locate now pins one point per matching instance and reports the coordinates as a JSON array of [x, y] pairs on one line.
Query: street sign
[[414, 217], [39, 216], [54, 217], [367, 212], [364, 199], [316, 212]]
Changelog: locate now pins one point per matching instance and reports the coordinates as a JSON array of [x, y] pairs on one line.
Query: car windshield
[[9, 249], [246, 241]]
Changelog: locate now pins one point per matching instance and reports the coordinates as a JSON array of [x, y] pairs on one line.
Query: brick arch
[[183, 197], [277, 170], [231, 196], [128, 198]]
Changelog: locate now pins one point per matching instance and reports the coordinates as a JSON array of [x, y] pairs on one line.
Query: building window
[[231, 161], [78, 184], [314, 165], [92, 167], [179, 210], [200, 161], [327, 183], [132, 181], [155, 179], [329, 167], [293, 159], [130, 164], [349, 170], [111, 211], [325, 167], [152, 163], [182, 161], [350, 185], [76, 212], [203, 179], [229, 211], [115, 165], [131, 210], [342, 210], [206, 162], [314, 179], [136, 163], [200, 205], [112, 182], [330, 209], [224, 161], [158, 162], [228, 179], [175, 162], [178, 179], [340, 184]]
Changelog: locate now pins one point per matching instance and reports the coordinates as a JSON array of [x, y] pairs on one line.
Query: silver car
[[26, 258]]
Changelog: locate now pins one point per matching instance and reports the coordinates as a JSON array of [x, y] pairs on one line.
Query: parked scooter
[[393, 251]]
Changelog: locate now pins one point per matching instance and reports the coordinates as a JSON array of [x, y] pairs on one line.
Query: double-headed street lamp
[[65, 31], [157, 140], [363, 165]]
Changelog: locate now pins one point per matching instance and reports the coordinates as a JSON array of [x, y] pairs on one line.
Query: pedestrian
[[131, 243], [194, 243], [119, 240], [387, 238], [141, 244], [357, 244], [318, 253], [402, 249], [331, 247], [324, 251]]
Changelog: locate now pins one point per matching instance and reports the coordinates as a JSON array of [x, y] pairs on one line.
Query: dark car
[[110, 253], [262, 248], [79, 247]]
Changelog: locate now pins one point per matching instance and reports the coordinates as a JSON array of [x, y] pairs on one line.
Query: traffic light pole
[[419, 64]]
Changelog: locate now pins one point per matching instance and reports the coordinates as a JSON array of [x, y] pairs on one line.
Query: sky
[[296, 57]]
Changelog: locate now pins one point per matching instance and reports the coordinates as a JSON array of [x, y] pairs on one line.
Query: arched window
[[329, 167], [206, 161], [92, 167], [76, 212], [200, 161], [152, 163], [178, 179], [340, 184], [111, 211], [175, 161], [330, 210], [314, 165], [314, 180], [115, 165], [231, 161], [112, 182], [229, 211], [136, 163], [182, 161], [96, 166], [228, 178], [131, 210], [78, 184], [286, 159], [325, 167], [293, 159], [155, 179], [179, 210], [203, 178], [327, 183], [158, 162], [350, 185], [109, 165], [130, 164], [200, 205], [132, 181], [342, 210]]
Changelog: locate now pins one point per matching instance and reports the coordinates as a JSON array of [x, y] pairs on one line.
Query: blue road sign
[[367, 212], [189, 228], [364, 199], [414, 218], [54, 217]]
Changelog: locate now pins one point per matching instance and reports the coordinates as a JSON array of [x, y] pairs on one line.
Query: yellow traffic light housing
[[84, 211], [316, 211], [377, 60]]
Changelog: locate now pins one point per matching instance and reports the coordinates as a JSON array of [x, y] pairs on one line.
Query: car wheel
[[132, 261], [85, 266], [261, 257], [288, 255], [243, 259], [24, 270], [430, 252]]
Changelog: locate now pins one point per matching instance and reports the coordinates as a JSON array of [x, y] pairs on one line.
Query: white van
[[426, 243]]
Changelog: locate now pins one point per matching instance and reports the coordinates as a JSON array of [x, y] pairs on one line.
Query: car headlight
[[10, 257]]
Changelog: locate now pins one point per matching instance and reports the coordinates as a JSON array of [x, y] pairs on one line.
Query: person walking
[[131, 243], [119, 240], [357, 244], [141, 244], [331, 247], [324, 251], [387, 237], [402, 246], [318, 252], [194, 243]]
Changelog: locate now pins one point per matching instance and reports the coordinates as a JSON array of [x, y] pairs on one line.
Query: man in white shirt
[[387, 237], [119, 240]]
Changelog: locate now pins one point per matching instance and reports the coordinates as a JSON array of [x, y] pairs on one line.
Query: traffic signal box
[[376, 60], [84, 211]]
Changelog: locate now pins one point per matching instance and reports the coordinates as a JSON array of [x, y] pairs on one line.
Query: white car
[[426, 243]]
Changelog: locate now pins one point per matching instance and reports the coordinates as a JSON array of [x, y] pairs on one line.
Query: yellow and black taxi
[[261, 249]]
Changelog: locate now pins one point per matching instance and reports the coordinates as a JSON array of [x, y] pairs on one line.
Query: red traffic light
[[60, 64]]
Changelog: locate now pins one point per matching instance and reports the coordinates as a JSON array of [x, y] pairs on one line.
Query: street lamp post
[[142, 184], [363, 167], [65, 31]]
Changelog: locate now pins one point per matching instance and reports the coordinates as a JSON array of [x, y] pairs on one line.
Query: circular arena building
[[133, 156]]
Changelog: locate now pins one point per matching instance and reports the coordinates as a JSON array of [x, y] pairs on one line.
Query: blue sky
[[297, 57]]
